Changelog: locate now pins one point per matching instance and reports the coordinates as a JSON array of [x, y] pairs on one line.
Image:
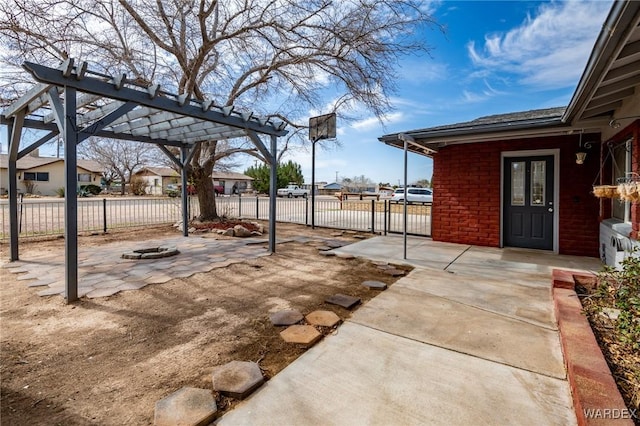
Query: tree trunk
[[206, 194]]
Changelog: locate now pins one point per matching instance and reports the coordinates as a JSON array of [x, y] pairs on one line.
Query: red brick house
[[514, 180]]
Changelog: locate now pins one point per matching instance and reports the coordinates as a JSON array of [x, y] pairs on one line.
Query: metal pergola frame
[[77, 103]]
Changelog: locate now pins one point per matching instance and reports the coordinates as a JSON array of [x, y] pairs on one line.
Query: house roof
[[334, 185], [229, 176], [611, 77], [160, 171], [28, 162]]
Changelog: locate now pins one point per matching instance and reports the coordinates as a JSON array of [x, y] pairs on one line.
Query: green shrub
[[60, 192], [91, 189], [622, 290]]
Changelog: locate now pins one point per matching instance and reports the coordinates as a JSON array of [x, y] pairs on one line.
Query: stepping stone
[[326, 253], [343, 300], [302, 334], [345, 256], [335, 244], [187, 406], [237, 379], [395, 272], [323, 318], [375, 285], [288, 317]]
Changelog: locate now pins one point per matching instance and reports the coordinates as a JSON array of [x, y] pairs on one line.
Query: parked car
[[293, 191], [174, 189], [414, 195]]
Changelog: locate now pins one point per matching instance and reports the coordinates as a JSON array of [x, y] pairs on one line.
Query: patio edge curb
[[596, 398]]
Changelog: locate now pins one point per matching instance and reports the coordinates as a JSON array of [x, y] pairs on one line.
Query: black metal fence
[[42, 217]]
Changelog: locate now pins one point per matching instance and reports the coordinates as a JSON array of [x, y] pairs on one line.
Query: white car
[[414, 195]]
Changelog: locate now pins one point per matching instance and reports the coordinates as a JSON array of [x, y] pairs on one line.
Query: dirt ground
[[108, 360]]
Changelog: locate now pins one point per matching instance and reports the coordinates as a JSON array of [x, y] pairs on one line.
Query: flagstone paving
[[103, 272]]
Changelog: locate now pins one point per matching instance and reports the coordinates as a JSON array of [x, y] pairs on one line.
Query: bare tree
[[274, 57], [120, 158]]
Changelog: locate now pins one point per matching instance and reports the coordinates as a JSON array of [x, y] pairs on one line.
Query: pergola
[[77, 103]]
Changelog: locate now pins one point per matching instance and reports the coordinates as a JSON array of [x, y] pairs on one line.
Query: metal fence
[[42, 217]]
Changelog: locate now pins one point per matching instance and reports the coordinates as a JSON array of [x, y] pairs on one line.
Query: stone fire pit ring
[[151, 253]]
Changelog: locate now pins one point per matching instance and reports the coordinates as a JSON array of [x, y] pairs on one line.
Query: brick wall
[[466, 182]]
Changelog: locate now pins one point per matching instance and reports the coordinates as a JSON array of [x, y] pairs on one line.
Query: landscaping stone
[[288, 317], [241, 231], [610, 313], [237, 379], [229, 232], [256, 234], [305, 335], [375, 285], [186, 406], [343, 300], [323, 318], [323, 248]]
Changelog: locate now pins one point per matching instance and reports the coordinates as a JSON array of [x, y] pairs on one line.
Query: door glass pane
[[538, 176], [517, 183]]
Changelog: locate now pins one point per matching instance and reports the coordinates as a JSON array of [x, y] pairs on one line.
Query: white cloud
[[371, 123], [548, 50]]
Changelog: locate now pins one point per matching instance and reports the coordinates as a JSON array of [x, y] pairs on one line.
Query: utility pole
[[336, 177]]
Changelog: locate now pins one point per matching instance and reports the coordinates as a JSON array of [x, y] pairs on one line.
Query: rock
[[610, 313], [256, 234], [241, 231], [192, 230], [229, 232], [326, 253]]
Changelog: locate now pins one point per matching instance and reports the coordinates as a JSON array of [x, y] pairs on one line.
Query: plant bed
[[611, 302], [223, 224]]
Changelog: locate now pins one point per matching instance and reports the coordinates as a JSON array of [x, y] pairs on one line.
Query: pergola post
[[184, 193], [273, 193], [14, 136], [71, 195]]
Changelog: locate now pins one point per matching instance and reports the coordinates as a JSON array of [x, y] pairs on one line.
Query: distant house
[[330, 188], [157, 178], [233, 183], [45, 175]]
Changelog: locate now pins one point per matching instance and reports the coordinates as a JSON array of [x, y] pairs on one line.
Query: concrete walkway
[[468, 337]]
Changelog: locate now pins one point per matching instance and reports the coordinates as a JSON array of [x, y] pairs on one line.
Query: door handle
[[550, 209]]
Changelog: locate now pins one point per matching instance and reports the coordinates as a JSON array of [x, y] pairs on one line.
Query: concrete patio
[[468, 337]]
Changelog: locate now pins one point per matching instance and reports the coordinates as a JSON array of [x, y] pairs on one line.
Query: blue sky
[[494, 57]]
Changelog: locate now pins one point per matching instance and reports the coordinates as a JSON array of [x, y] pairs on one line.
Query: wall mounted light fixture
[[581, 154]]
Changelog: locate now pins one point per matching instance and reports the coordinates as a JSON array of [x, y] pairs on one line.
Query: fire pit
[[151, 253]]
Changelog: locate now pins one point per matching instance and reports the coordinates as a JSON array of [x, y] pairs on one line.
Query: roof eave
[[608, 43]]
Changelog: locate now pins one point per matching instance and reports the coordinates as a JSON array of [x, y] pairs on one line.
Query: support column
[[70, 195], [313, 183], [273, 194], [184, 193], [14, 133]]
